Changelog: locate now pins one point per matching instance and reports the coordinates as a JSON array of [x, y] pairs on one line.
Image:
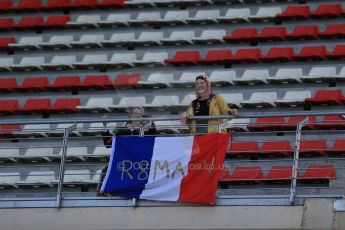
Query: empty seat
[[39, 130], [119, 39], [331, 122], [292, 122], [84, 4], [338, 148], [56, 21], [57, 4], [37, 153], [312, 148], [57, 42], [28, 5], [304, 32], [210, 37], [279, 174], [59, 130], [327, 11], [171, 127], [9, 106], [127, 81], [320, 73], [186, 79], [28, 64], [295, 12], [245, 175], [145, 18], [111, 3], [75, 153], [157, 80], [222, 77], [286, 75], [6, 5], [294, 98], [279, 54], [8, 130], [266, 13], [34, 84], [216, 57], [272, 34], [253, 76], [127, 103], [326, 97], [235, 15], [100, 151], [9, 153], [97, 104], [78, 177], [39, 178], [152, 59], [9, 179], [275, 149], [6, 63], [147, 38], [205, 16], [184, 58], [84, 21], [187, 99], [174, 17], [60, 62], [238, 124], [8, 84], [161, 102], [242, 35], [96, 82], [88, 41], [246, 56], [7, 23], [6, 41], [267, 124], [26, 43], [91, 61], [333, 31], [65, 82], [261, 99], [36, 106], [318, 174], [179, 38], [121, 60], [233, 99], [114, 20], [30, 22], [337, 53], [65, 105], [243, 149], [311, 53]]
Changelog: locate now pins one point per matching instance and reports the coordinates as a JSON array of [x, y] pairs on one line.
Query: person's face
[[200, 86], [136, 113]]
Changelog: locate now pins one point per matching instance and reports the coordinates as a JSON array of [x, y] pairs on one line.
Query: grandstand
[[66, 66]]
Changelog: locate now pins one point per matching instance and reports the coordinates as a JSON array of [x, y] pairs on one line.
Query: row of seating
[[176, 37], [279, 174]]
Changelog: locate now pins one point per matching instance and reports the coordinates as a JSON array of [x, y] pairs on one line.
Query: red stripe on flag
[[204, 168]]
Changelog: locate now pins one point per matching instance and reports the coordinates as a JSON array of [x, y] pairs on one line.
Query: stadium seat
[[115, 20], [9, 179], [145, 18], [57, 42], [320, 74], [171, 127], [147, 38], [9, 130], [272, 34], [6, 63], [39, 130], [286, 75], [243, 149], [310, 148], [75, 153], [127, 81], [111, 3], [25, 5], [292, 122], [119, 39], [222, 77], [327, 11], [9, 106], [7, 23], [92, 61], [174, 17], [238, 124], [279, 175], [121, 60], [216, 57], [253, 76], [62, 62], [204, 17], [233, 99], [265, 14], [318, 174], [333, 31], [278, 54], [331, 122], [38, 178], [28, 64], [210, 36], [96, 82], [294, 98], [35, 154], [304, 33], [311, 53], [29, 22], [184, 58], [9, 153], [187, 99], [242, 35], [8, 84], [101, 151], [65, 105], [245, 175], [88, 41], [338, 148], [151, 59], [40, 105], [126, 103], [163, 102], [267, 124], [275, 149], [157, 80], [186, 79], [34, 84], [56, 21], [326, 97], [6, 41], [6, 5], [57, 4], [75, 177], [97, 104], [295, 13], [179, 38], [261, 99], [27, 43], [246, 56], [340, 76], [235, 15], [337, 53], [59, 130], [65, 83], [85, 21]]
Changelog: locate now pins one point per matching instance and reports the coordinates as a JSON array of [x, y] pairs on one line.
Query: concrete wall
[[315, 214]]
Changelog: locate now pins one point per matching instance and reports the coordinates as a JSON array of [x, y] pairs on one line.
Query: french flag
[[184, 169]]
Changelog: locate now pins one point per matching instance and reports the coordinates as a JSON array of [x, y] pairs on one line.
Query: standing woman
[[206, 104]]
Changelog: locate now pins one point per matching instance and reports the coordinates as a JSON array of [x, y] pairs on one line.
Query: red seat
[[127, 81], [331, 122], [4, 42], [318, 174], [311, 53], [275, 149], [216, 57], [36, 106], [96, 82], [243, 149], [334, 31], [312, 148], [65, 105], [292, 122], [326, 97], [246, 56], [338, 148], [245, 175], [6, 5], [84, 3], [9, 106], [279, 175], [30, 22], [109, 3], [242, 35], [267, 124], [58, 4], [8, 84], [184, 58], [272, 34], [6, 23], [57, 21], [295, 12], [225, 173], [338, 52], [34, 84], [29, 5], [6, 130], [304, 32], [327, 11], [66, 82], [279, 54]]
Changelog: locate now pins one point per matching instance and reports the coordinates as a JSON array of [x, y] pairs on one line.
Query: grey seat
[[152, 59], [179, 38], [28, 64], [85, 21], [57, 42], [115, 20], [60, 62], [27, 43], [119, 39], [89, 41], [210, 37], [91, 61]]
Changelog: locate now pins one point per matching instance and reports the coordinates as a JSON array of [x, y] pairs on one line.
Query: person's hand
[[234, 112], [184, 117]]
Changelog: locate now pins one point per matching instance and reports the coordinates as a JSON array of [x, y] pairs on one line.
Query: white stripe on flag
[[173, 150]]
